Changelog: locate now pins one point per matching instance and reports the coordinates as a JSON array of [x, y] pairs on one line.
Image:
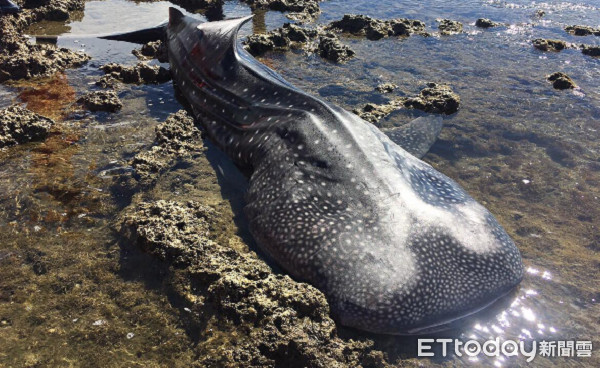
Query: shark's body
[[396, 246]]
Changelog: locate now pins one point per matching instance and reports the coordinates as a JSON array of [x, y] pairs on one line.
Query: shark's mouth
[[462, 320]]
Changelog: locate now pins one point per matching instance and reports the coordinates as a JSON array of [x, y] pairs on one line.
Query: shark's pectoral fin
[[140, 36], [417, 136]]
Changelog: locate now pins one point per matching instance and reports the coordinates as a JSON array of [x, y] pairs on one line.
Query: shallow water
[[528, 152]]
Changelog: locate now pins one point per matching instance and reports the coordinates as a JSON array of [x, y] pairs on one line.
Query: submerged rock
[[549, 45], [590, 50], [386, 87], [176, 137], [232, 293], [152, 50], [19, 125], [101, 101], [375, 29], [449, 27], [486, 23], [582, 30], [561, 81], [373, 112], [137, 74], [331, 48], [436, 97]]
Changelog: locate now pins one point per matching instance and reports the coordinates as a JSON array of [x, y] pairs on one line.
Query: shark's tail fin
[[140, 36]]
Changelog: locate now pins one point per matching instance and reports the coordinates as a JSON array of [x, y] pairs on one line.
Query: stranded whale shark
[[396, 246]]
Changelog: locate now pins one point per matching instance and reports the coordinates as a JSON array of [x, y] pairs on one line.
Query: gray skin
[[396, 246]]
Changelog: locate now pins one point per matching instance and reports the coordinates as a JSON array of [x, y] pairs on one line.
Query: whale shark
[[396, 246]]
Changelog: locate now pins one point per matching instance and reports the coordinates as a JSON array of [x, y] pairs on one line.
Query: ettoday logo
[[507, 348]]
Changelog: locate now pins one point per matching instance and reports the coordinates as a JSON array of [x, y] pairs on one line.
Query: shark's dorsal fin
[[417, 136]]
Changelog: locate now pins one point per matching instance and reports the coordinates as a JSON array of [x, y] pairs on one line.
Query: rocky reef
[[386, 87], [19, 125], [281, 39], [561, 81], [101, 101], [577, 30], [231, 291], [449, 27], [590, 50], [152, 50], [375, 29], [176, 137], [300, 9], [331, 48], [486, 23], [436, 97], [137, 74], [373, 113], [292, 36], [20, 59], [549, 45]]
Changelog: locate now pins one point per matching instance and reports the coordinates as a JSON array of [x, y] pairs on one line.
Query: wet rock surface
[[302, 9], [275, 319], [590, 50], [176, 137], [549, 45], [152, 50], [281, 39], [331, 48], [386, 87], [561, 81], [19, 125], [137, 74], [21, 60], [577, 30], [107, 101], [373, 112], [449, 27], [436, 98], [486, 23], [375, 29]]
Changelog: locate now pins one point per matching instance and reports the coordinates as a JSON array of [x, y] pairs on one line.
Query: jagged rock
[[101, 101], [561, 81], [438, 98], [386, 87], [375, 29], [331, 48], [373, 112], [20, 59], [549, 45], [276, 321], [137, 74], [280, 39], [176, 137], [582, 30], [308, 7], [486, 23], [590, 50], [152, 50], [449, 27], [19, 125]]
